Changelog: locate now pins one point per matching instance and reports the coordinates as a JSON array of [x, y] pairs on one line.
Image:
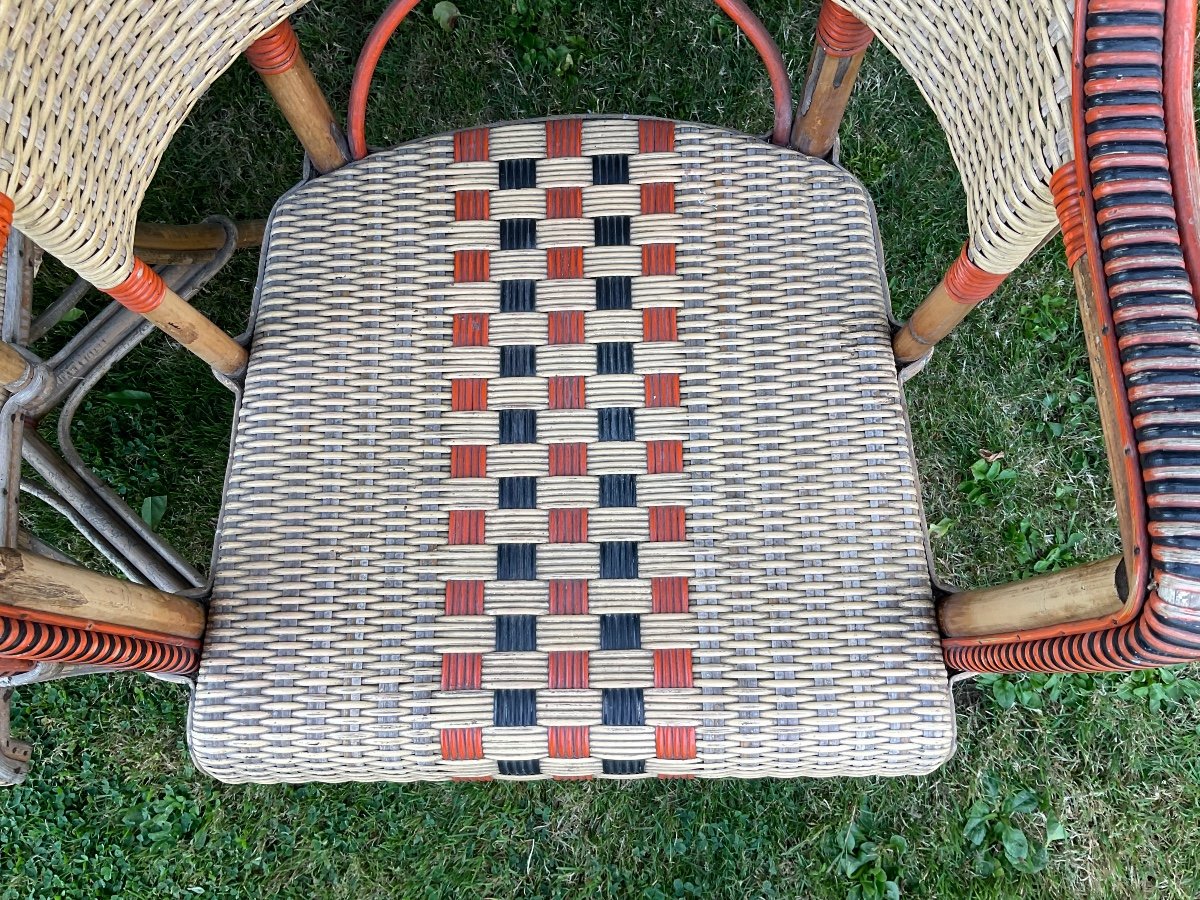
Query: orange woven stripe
[[471, 205], [466, 526], [659, 324], [658, 197], [564, 203], [658, 259], [462, 743], [1064, 185], [675, 742], [662, 390], [568, 597], [566, 391], [568, 526], [471, 265], [568, 459], [6, 214], [568, 741], [564, 137], [564, 262], [666, 523], [464, 598], [839, 32], [142, 291], [673, 668], [565, 326], [276, 51], [468, 461], [471, 145], [462, 671], [655, 136], [470, 330], [468, 394], [669, 595], [663, 457], [967, 283], [567, 670]]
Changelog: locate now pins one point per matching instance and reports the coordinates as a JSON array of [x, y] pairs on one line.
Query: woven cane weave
[[569, 449], [998, 77], [91, 92]]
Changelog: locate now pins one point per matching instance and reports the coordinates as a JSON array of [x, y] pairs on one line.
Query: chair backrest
[[998, 77], [91, 92]]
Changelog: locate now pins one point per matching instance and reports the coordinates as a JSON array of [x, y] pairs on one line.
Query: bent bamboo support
[[277, 58], [842, 42]]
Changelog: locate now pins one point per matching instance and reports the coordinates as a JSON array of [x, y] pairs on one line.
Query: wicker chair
[[577, 447]]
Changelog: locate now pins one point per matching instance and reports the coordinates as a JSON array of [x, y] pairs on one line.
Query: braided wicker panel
[[572, 449], [998, 77], [92, 92]]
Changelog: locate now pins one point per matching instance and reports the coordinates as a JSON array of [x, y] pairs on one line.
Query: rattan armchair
[[576, 447]]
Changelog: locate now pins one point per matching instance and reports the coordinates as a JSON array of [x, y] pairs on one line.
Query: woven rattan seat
[[572, 448]]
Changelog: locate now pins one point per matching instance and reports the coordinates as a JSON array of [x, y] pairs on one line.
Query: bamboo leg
[[277, 58], [157, 244], [145, 292], [842, 41], [1083, 592], [45, 589], [964, 287]]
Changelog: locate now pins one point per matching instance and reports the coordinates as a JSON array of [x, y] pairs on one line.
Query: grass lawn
[[1104, 767]]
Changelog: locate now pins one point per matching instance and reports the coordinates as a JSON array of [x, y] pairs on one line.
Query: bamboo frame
[[41, 589], [964, 286], [159, 244], [842, 41], [277, 58], [1088, 592]]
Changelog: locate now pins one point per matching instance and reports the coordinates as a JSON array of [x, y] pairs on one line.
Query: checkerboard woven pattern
[[571, 448], [567, 577]]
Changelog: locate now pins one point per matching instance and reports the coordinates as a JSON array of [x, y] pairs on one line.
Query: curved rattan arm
[[1129, 213], [389, 21]]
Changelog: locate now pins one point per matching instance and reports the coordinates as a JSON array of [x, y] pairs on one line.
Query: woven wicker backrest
[[91, 92], [997, 75]]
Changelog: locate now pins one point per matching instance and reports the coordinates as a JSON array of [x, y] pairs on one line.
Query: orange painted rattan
[[276, 51], [840, 32], [142, 292]]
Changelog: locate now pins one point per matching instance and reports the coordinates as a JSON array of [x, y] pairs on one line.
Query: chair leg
[[277, 58], [964, 287], [146, 293], [842, 41]]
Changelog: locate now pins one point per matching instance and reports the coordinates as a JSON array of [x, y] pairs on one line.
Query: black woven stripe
[[1168, 432], [615, 424], [1124, 45], [516, 562], [1122, 147], [614, 358], [518, 234], [1124, 18], [622, 706], [1139, 223], [620, 631], [1176, 485], [1154, 248], [518, 296], [614, 292], [514, 708], [1156, 326], [611, 231], [519, 766], [518, 492], [1114, 122], [516, 634], [623, 766], [1174, 514], [1125, 70], [1151, 352], [517, 173], [618, 490], [1162, 459], [518, 426], [618, 559], [1139, 173], [610, 169], [518, 360], [1123, 98], [1182, 569], [1149, 198]]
